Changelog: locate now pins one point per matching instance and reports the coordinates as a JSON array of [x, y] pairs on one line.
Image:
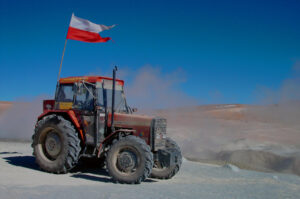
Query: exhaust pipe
[[113, 99]]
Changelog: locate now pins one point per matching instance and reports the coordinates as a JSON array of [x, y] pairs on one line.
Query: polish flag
[[84, 30]]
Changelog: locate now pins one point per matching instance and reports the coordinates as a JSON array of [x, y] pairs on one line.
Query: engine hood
[[127, 120]]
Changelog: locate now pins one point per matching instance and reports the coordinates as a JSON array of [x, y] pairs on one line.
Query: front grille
[[159, 129]]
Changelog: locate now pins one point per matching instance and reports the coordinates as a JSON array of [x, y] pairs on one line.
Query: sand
[[20, 177]]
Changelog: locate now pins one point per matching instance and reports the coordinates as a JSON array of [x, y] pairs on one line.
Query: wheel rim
[[50, 144], [127, 160], [53, 144]]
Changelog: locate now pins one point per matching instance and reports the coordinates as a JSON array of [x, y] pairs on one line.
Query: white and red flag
[[84, 30]]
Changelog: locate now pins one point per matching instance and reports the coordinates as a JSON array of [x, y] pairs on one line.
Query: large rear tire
[[168, 172], [129, 160], [56, 145]]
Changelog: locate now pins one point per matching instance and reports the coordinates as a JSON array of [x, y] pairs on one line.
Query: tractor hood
[[141, 124], [131, 120]]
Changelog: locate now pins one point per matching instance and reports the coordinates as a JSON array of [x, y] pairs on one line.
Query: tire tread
[[73, 145]]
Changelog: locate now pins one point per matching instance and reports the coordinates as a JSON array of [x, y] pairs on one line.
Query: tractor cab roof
[[90, 79]]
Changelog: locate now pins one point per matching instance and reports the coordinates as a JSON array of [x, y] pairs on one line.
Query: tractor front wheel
[[129, 160], [168, 172]]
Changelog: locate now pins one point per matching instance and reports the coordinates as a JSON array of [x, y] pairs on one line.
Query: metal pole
[[57, 84], [62, 58], [113, 98]]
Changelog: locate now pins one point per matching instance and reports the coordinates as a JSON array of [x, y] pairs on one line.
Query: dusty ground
[[20, 177]]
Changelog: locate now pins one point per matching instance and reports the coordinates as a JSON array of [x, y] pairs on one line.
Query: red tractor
[[89, 117]]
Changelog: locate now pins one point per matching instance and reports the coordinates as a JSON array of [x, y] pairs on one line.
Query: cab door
[[101, 113], [84, 105]]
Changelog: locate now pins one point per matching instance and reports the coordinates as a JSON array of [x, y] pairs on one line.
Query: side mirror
[[134, 109]]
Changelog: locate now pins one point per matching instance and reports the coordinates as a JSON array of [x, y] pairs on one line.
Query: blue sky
[[226, 49]]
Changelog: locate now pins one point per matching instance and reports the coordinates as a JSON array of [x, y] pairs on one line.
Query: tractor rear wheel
[[168, 172], [56, 145], [129, 160]]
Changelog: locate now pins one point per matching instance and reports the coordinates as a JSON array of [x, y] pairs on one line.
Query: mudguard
[[71, 116]]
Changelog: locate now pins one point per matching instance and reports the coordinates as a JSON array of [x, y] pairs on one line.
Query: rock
[[231, 167]]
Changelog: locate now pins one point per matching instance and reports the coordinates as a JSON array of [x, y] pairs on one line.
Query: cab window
[[85, 98], [65, 93]]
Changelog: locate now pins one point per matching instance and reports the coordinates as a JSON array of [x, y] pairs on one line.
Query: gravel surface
[[20, 177]]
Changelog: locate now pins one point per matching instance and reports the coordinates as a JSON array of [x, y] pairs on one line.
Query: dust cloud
[[17, 122], [281, 105], [262, 137], [150, 89]]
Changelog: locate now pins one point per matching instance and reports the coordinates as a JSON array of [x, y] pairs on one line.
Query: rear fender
[[69, 115]]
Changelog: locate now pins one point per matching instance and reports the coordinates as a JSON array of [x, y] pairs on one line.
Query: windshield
[[84, 98], [65, 93], [105, 99]]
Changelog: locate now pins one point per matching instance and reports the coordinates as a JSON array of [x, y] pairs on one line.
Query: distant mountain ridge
[[4, 105]]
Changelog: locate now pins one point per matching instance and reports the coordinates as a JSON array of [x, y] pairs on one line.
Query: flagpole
[[62, 57], [61, 61]]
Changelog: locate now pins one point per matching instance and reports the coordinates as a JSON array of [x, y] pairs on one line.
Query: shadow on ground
[[102, 178], [87, 167], [90, 169], [22, 161], [84, 170]]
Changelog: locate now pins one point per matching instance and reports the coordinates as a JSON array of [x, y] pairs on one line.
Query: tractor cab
[[89, 93]]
